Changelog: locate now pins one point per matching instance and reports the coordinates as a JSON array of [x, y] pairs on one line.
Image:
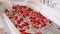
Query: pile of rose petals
[[25, 19]]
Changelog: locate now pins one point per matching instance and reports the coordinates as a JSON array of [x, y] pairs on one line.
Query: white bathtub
[[45, 10]]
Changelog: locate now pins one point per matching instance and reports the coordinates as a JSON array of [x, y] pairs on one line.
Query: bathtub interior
[[51, 28]]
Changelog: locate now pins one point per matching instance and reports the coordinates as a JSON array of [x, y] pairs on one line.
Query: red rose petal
[[58, 28], [25, 32], [38, 33]]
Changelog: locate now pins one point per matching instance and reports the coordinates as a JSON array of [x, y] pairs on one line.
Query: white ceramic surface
[[52, 30]]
